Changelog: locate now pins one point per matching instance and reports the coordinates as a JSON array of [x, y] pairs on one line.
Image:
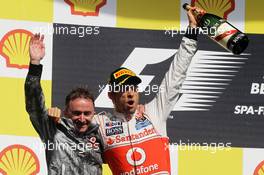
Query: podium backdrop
[[215, 128]]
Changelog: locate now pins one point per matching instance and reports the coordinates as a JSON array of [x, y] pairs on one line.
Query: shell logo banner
[[20, 155], [14, 42], [14, 48], [85, 7], [14, 59], [220, 8], [260, 169], [18, 159], [253, 161], [85, 12]]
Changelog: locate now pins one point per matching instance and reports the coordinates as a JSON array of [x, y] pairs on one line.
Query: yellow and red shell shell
[[14, 47], [220, 8], [18, 160], [85, 7]]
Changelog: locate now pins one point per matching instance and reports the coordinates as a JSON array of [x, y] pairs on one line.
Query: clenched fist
[[55, 114]]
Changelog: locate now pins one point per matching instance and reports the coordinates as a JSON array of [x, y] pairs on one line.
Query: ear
[[66, 113]]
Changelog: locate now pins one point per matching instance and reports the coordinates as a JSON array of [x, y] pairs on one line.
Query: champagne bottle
[[221, 31]]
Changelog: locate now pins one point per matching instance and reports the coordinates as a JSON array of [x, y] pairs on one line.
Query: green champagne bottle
[[221, 31]]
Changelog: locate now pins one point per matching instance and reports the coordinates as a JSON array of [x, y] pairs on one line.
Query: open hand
[[36, 49]]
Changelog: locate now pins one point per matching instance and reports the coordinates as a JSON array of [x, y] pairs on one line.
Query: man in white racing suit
[[136, 142]]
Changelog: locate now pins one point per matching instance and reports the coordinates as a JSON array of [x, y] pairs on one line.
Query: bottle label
[[209, 24], [223, 33]]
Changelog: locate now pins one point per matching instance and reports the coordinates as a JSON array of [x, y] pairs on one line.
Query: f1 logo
[[137, 61]]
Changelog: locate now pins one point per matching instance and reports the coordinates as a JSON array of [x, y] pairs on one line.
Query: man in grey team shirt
[[72, 144]]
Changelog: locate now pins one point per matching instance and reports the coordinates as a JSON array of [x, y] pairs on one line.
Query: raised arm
[[168, 95], [35, 102]]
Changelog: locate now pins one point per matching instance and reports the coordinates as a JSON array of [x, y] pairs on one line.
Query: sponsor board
[[14, 48], [22, 155], [259, 169], [18, 159], [97, 13], [216, 82], [254, 108], [253, 161], [85, 8]]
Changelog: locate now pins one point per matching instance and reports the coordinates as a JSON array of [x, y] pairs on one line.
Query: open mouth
[[130, 102]]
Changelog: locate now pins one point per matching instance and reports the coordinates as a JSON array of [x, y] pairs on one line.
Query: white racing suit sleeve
[[160, 107]]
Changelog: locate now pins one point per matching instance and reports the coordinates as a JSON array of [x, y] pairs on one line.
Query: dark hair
[[78, 92]]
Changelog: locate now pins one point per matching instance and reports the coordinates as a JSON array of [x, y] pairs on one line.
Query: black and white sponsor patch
[[114, 130], [113, 124]]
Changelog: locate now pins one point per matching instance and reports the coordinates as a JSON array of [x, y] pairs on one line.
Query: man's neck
[[128, 116]]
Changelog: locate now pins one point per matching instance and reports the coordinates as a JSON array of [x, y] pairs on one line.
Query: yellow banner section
[[29, 10], [106, 170], [148, 14], [210, 161], [254, 18], [14, 118]]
